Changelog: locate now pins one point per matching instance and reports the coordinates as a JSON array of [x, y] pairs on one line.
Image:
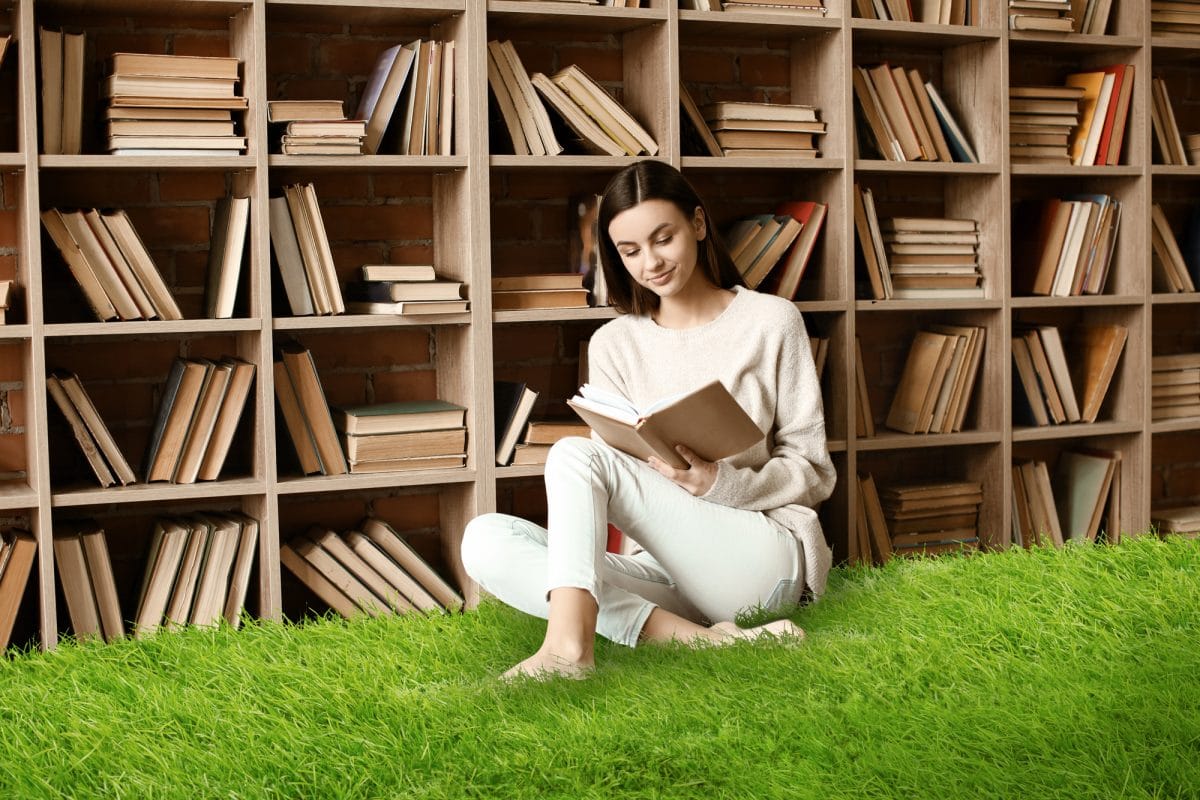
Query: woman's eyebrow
[[653, 233]]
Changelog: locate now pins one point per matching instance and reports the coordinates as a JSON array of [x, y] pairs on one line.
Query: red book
[[811, 215], [1110, 114], [1113, 154]]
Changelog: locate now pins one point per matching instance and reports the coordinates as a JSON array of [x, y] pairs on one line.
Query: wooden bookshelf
[[483, 211]]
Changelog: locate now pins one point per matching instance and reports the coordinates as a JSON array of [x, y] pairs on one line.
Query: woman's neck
[[699, 304]]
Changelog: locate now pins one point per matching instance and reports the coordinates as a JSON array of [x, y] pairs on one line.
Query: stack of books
[[197, 573], [1040, 122], [1103, 113], [932, 518], [303, 254], [540, 435], [1175, 386], [410, 94], [932, 257], [371, 570], [547, 290], [62, 63], [1041, 15], [1172, 272], [111, 264], [763, 129], [1067, 246], [315, 127], [1051, 388], [17, 550], [598, 122], [938, 380], [201, 406], [90, 433], [1172, 148], [404, 435], [173, 105], [906, 118], [306, 412], [512, 402], [935, 12], [1179, 520], [1175, 17], [406, 290], [86, 577]]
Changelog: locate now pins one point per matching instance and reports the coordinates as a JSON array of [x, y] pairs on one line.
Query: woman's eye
[[629, 254], [667, 240]]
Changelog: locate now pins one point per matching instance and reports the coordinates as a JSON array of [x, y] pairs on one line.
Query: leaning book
[[708, 421]]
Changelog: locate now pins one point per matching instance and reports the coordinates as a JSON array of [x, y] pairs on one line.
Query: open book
[[707, 420]]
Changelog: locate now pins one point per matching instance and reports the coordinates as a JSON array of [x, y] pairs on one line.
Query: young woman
[[718, 538]]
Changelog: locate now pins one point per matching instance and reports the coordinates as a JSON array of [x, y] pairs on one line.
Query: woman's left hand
[[697, 479]]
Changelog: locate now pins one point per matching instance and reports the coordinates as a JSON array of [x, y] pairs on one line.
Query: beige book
[[306, 110], [1096, 351], [384, 535], [79, 429], [223, 67], [122, 231], [303, 373], [876, 271], [225, 255], [868, 99], [1027, 375], [924, 369], [72, 93], [508, 109], [77, 587], [243, 563], [591, 135], [408, 463], [510, 71], [204, 419], [233, 404], [51, 59], [928, 116], [182, 393], [124, 270], [143, 101], [213, 585], [864, 418], [1057, 358], [388, 599], [19, 549], [377, 104], [399, 587], [183, 592], [306, 237], [541, 119], [288, 257], [893, 109], [162, 565], [293, 418], [79, 398], [292, 556], [707, 420], [409, 444], [1081, 484], [433, 104], [445, 144], [328, 270], [102, 268], [607, 112], [913, 109], [1045, 377], [876, 523], [332, 569], [412, 136]]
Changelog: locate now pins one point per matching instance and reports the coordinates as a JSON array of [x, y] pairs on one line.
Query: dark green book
[[399, 417]]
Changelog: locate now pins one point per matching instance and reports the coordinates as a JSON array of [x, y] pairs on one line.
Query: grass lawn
[[1025, 674]]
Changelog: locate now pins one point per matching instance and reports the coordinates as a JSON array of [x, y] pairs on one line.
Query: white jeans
[[703, 561]]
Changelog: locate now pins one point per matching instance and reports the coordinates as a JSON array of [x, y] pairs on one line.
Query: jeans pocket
[[786, 594]]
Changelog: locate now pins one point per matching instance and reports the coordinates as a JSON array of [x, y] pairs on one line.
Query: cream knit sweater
[[759, 349]]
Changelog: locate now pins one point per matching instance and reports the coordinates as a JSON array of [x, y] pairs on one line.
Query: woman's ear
[[699, 224]]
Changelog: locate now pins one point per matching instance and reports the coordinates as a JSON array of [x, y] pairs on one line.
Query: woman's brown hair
[[655, 180]]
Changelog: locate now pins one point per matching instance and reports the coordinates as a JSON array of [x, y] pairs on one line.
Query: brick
[[172, 226], [335, 511], [289, 55], [215, 44], [375, 349], [350, 56], [12, 189], [391, 185], [1183, 481], [126, 400], [420, 383], [12, 362], [116, 360], [16, 408], [602, 65], [213, 348], [185, 186], [191, 270], [312, 88], [354, 186], [104, 43], [408, 512], [345, 388], [89, 189], [708, 67], [764, 69], [411, 254], [523, 342], [380, 223], [12, 452]]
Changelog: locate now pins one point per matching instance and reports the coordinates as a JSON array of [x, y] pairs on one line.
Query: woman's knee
[[571, 452], [484, 544]]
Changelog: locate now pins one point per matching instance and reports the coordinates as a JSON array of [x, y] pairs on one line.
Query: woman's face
[[658, 244]]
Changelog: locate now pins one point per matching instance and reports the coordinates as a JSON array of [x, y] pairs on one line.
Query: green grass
[[1066, 674]]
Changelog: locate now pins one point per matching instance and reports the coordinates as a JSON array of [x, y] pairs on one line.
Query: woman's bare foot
[[779, 629], [545, 664]]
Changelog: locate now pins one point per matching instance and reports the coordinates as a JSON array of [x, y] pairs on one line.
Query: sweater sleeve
[[798, 470]]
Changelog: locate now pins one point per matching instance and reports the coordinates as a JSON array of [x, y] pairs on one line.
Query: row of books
[[759, 243], [934, 12], [370, 570], [598, 122], [1065, 245], [419, 78], [61, 62], [520, 440], [1175, 17], [906, 118], [1080, 502], [938, 380], [17, 550], [914, 519], [315, 128], [1176, 268], [1173, 147], [197, 573], [172, 105], [807, 7], [742, 128], [1062, 16], [916, 257], [546, 290], [413, 434], [1061, 382], [1175, 386], [302, 252], [202, 403]]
